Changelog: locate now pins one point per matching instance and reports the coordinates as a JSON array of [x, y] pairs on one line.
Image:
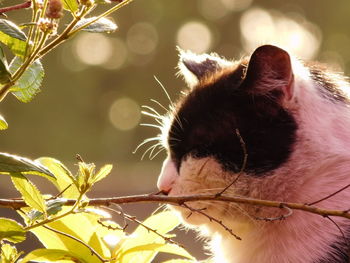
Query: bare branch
[[330, 195], [26, 4], [212, 219], [179, 200]]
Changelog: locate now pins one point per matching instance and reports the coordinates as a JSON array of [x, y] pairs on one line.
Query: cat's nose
[[167, 176]]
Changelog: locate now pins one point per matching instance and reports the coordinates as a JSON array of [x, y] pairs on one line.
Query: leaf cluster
[[78, 233], [29, 42]]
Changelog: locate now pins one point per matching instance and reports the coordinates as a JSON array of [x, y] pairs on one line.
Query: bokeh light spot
[[93, 49], [142, 38], [194, 36], [124, 114], [119, 55], [298, 36]]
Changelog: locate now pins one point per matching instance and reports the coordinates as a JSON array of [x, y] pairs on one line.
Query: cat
[[283, 126]]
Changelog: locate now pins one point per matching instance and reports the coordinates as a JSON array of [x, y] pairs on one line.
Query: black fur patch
[[206, 122], [329, 87], [339, 251]]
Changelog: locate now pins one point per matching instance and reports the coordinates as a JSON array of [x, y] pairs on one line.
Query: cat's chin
[[189, 218]]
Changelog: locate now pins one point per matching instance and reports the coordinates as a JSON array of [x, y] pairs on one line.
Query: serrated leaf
[[103, 25], [5, 75], [82, 226], [3, 123], [102, 173], [30, 194], [54, 206], [29, 83], [53, 255], [16, 164], [8, 253], [146, 253], [12, 36], [11, 230], [70, 5], [64, 178]]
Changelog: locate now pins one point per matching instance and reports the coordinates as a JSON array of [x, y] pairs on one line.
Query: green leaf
[[183, 261], [54, 206], [102, 25], [149, 251], [12, 36], [30, 194], [3, 123], [5, 75], [45, 255], [70, 5], [64, 178], [15, 164], [29, 83], [8, 253], [82, 226], [102, 173], [11, 230]]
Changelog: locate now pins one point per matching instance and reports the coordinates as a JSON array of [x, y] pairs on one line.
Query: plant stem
[[15, 7], [47, 221], [108, 12]]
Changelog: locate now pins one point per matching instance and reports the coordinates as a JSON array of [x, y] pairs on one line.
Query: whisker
[[159, 104], [151, 125], [151, 115], [146, 141], [161, 149], [151, 109], [149, 149], [165, 91]]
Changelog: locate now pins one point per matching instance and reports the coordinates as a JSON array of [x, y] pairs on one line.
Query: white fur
[[318, 166]]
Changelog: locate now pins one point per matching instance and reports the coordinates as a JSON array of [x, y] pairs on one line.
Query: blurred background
[[95, 84]]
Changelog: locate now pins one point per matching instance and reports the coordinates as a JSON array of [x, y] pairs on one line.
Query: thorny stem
[[93, 251], [26, 4], [179, 200]]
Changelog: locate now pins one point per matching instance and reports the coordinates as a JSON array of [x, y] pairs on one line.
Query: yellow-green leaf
[[3, 123], [64, 178], [137, 253], [12, 36], [45, 255], [11, 230], [8, 253], [70, 5], [5, 75], [102, 173], [183, 261], [30, 194], [15, 164], [28, 85]]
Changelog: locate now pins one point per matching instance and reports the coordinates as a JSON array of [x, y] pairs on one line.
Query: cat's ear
[[270, 72], [193, 67]]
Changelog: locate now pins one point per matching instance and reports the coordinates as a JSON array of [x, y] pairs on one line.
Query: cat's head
[[254, 117]]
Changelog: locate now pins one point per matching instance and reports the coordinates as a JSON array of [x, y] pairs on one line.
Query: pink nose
[[167, 176]]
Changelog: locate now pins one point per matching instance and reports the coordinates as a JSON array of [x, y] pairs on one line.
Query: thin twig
[[330, 195], [178, 200], [277, 218], [93, 251], [135, 220], [26, 4], [211, 219], [337, 226], [244, 164]]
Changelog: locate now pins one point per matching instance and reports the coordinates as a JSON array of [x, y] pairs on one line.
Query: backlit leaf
[[12, 36], [47, 255], [102, 25], [71, 5], [11, 230], [16, 164], [5, 75], [64, 178], [3, 123], [102, 173], [29, 83], [8, 253], [30, 194]]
